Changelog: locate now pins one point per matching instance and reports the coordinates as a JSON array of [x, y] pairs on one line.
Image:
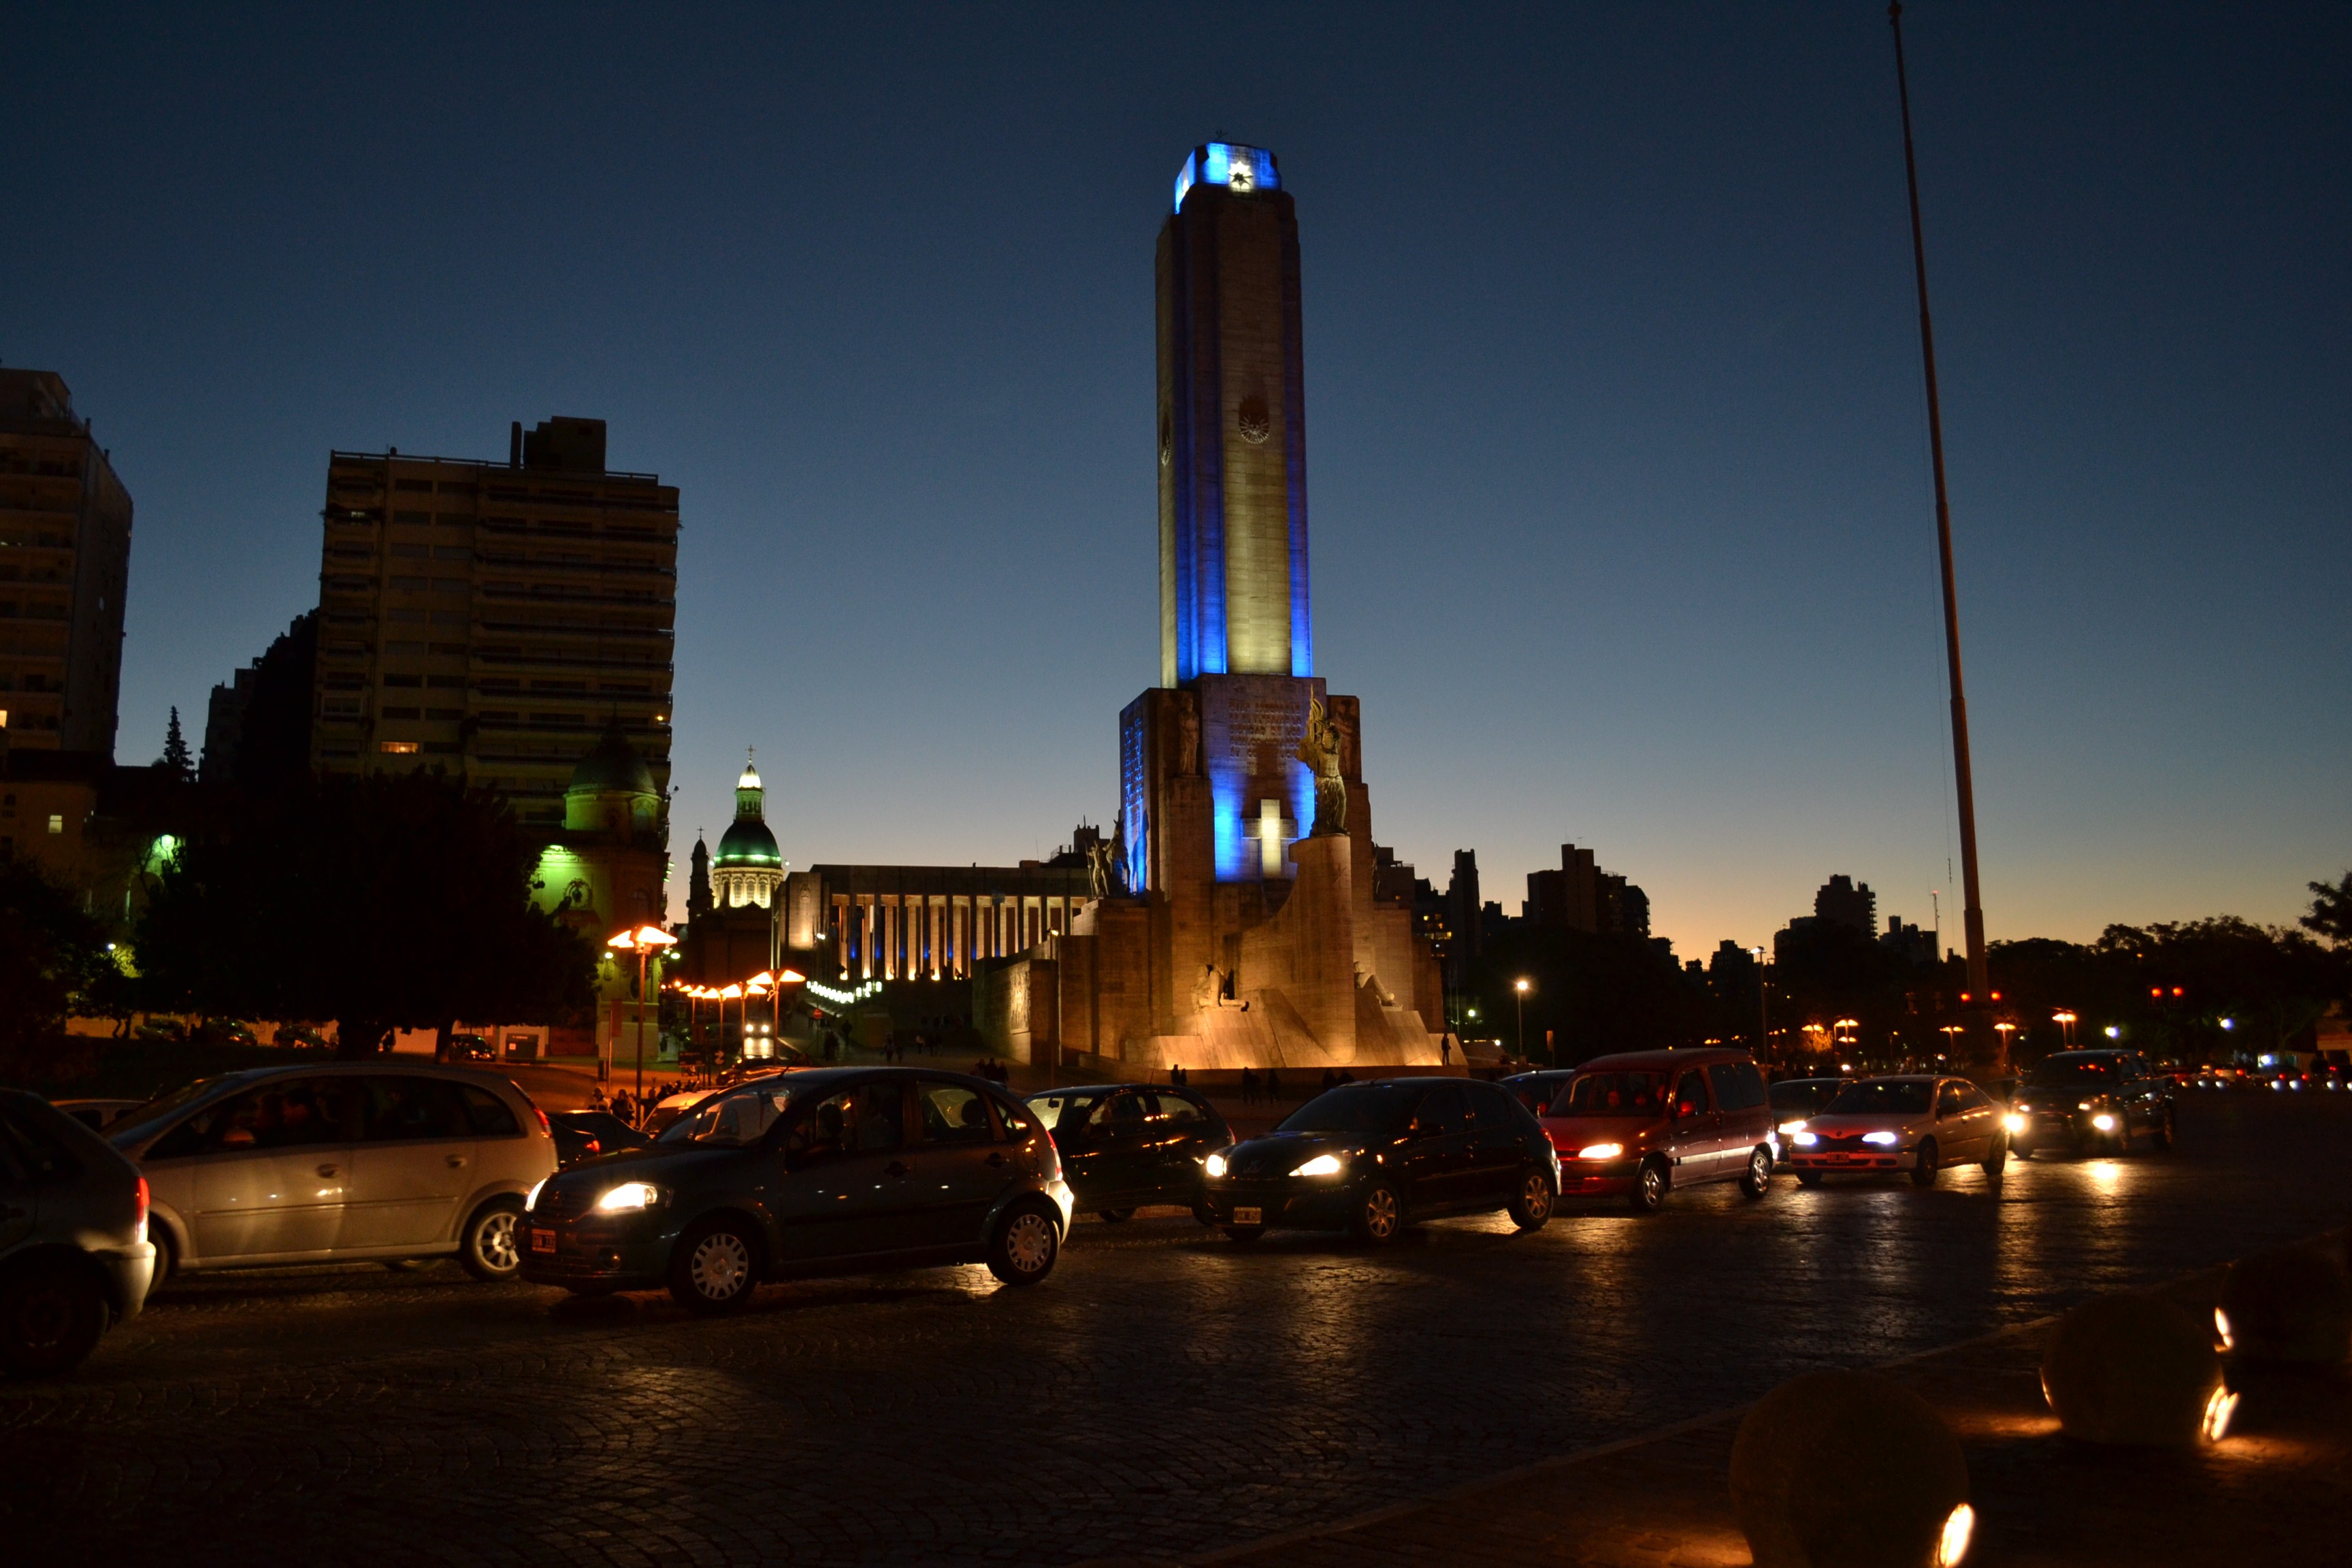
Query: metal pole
[[641, 1023], [1972, 908]]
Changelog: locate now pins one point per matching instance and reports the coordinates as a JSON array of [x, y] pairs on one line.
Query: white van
[[338, 1163]]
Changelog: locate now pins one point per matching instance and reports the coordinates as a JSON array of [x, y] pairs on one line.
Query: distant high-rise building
[[65, 564], [493, 619], [257, 729], [1843, 902]]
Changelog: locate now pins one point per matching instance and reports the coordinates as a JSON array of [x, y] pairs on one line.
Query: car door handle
[[457, 1160], [896, 1168], [330, 1170], [997, 1159]]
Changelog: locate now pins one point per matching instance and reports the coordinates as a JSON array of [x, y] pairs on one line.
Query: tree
[[50, 954], [386, 902], [175, 760], [2331, 911]]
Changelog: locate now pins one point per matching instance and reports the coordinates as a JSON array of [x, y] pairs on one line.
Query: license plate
[[542, 1241], [1249, 1216]]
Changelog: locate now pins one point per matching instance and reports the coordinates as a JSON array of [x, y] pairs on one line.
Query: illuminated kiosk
[[1235, 934]]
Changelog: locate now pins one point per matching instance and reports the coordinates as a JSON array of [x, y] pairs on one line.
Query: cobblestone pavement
[[1164, 1395]]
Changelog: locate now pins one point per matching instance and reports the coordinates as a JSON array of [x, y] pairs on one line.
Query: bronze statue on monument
[[1319, 750]]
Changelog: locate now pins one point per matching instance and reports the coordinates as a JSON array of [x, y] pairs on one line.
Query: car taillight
[[544, 1125], [143, 1204]]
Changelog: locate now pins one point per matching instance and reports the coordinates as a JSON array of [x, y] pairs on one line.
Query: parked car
[[1372, 1158], [1914, 1122], [1638, 1125], [97, 1114], [678, 1101], [1793, 1099], [332, 1162], [470, 1048], [74, 1254], [2086, 1098], [584, 1134], [1536, 1090], [830, 1171], [1125, 1145]]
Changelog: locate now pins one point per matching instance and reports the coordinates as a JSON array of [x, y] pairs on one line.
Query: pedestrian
[[1444, 1050], [623, 1107], [1273, 1084], [1249, 1085]]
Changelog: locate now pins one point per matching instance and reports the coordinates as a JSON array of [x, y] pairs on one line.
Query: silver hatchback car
[[331, 1164]]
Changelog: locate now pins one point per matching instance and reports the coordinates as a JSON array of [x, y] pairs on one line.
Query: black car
[[834, 1170], [1373, 1157], [2086, 1100], [1125, 1145], [584, 1134], [1536, 1090]]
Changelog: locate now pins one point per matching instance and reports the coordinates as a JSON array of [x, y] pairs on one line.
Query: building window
[[57, 822], [397, 748]]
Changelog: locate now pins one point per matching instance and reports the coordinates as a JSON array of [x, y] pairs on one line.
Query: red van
[[1642, 1124]]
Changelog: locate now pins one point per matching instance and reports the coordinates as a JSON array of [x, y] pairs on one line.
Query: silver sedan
[[1917, 1124]]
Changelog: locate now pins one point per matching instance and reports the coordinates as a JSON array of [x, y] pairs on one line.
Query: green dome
[[747, 842], [612, 767]]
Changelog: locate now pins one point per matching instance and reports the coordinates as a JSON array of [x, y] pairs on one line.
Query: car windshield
[[1886, 1097], [2072, 1069], [136, 1123], [1355, 1107], [1613, 1094], [734, 1119], [1061, 1110]]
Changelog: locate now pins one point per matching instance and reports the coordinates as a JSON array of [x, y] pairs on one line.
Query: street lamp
[[645, 941], [1520, 987], [1763, 1017], [2064, 1019], [2005, 1031]]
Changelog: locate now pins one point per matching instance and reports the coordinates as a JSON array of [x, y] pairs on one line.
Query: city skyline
[[1621, 490]]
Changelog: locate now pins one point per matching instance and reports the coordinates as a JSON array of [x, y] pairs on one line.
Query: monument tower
[[1246, 932]]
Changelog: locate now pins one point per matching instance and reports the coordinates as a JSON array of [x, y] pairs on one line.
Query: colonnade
[[940, 936]]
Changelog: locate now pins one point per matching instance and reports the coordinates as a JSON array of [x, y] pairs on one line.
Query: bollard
[[2135, 1370], [2292, 1305], [1850, 1469]]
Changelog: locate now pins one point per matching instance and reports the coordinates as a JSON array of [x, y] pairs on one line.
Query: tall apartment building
[[65, 562], [492, 618]]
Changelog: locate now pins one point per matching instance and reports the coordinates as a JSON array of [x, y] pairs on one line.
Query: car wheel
[[1649, 1185], [1533, 1206], [2122, 1132], [1808, 1178], [714, 1266], [1244, 1232], [1380, 1215], [1025, 1246], [1923, 1167], [1758, 1179], [52, 1314], [1997, 1158], [1116, 1216], [167, 1257], [2023, 1151], [490, 1248], [2165, 1134]]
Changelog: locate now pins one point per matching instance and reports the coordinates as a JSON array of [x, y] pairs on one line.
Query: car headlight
[[2014, 1121], [1793, 1126], [1882, 1139], [2104, 1123], [630, 1195], [1601, 1151], [531, 1200], [1321, 1165], [1214, 1164], [2086, 1105], [1806, 1140]]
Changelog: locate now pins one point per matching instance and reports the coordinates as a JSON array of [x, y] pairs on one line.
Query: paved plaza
[[1165, 1394]]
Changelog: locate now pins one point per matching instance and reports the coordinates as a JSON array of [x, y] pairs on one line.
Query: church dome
[[612, 767], [747, 842]]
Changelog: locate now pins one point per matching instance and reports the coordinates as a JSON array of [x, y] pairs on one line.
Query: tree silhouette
[[175, 760]]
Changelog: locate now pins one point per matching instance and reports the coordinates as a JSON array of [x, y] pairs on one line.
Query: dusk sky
[[1618, 479]]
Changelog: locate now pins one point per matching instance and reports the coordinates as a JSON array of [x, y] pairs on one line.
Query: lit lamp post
[[727, 993], [1951, 1033], [2064, 1019], [1763, 1017], [1519, 989], [645, 941], [2005, 1031]]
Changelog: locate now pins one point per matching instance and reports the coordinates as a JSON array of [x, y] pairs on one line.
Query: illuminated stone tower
[[1232, 424]]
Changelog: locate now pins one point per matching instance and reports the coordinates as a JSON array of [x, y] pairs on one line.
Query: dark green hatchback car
[[834, 1170]]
